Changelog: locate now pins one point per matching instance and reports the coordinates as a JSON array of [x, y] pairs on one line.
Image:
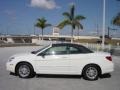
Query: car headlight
[[11, 59]]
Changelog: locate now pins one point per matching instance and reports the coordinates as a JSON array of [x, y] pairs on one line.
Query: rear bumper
[[108, 68]]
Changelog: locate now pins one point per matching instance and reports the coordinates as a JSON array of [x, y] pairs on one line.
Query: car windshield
[[35, 52]]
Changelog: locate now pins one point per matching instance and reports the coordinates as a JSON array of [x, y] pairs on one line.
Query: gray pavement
[[44, 82]]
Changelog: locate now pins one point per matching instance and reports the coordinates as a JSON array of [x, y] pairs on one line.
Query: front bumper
[[10, 67]]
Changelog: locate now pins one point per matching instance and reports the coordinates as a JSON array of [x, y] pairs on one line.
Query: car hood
[[23, 55]]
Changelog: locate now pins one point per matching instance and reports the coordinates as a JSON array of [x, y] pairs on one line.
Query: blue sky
[[19, 16]]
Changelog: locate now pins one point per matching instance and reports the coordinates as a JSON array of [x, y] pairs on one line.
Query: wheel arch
[[98, 67], [21, 63]]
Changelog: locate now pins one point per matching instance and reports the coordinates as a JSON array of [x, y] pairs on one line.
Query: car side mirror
[[33, 52], [42, 55]]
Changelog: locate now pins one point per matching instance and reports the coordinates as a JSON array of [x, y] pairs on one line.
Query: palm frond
[[64, 23], [38, 25], [42, 20], [116, 20], [77, 24], [80, 26], [79, 17], [67, 15], [41, 23]]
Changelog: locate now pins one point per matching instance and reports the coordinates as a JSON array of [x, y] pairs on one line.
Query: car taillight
[[109, 58]]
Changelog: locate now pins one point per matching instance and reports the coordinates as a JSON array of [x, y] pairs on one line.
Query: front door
[[54, 61]]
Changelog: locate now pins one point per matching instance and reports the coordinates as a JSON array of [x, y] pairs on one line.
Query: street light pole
[[34, 29], [103, 28]]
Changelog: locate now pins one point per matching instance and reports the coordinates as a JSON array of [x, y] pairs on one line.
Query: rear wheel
[[91, 72], [24, 70]]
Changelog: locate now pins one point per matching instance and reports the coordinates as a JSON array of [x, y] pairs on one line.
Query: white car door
[[55, 61], [78, 59]]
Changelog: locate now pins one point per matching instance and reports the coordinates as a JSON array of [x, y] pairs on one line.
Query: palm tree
[[116, 20], [41, 23], [72, 20]]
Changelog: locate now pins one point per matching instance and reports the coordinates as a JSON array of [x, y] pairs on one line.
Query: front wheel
[[24, 70], [91, 72]]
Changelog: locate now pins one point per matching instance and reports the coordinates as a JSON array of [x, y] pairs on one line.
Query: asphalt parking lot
[[52, 82]]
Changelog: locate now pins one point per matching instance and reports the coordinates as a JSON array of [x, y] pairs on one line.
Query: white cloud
[[46, 4]]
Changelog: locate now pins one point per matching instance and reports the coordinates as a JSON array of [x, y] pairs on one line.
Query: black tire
[[91, 72], [24, 70]]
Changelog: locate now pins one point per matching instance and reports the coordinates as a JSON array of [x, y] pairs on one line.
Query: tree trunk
[[72, 35], [42, 34], [78, 32]]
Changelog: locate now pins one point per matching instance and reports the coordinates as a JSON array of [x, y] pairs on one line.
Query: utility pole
[[103, 28], [97, 30], [109, 30]]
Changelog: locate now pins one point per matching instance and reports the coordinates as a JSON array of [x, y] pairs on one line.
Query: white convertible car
[[61, 58]]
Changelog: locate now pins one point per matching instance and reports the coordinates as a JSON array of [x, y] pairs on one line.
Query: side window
[[73, 50], [84, 50], [78, 50], [56, 50]]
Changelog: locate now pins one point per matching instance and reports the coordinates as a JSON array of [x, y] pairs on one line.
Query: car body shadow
[[108, 75], [13, 74], [68, 76], [58, 76], [63, 76]]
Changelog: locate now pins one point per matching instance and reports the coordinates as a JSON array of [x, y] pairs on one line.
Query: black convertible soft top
[[81, 47]]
